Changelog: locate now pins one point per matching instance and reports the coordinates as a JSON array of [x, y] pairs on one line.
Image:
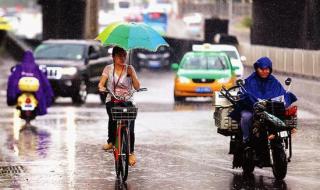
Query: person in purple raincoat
[[28, 67]]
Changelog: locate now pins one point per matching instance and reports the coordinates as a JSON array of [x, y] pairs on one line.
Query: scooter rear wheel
[[248, 161]]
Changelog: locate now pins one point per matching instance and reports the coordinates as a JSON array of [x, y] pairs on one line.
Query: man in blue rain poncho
[[259, 85], [29, 68]]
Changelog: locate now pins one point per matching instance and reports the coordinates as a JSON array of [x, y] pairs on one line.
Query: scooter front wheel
[[280, 163]]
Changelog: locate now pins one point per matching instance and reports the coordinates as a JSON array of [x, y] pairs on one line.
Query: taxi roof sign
[[202, 47]]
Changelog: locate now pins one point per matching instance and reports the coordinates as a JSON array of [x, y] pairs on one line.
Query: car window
[[103, 51], [204, 62], [60, 51], [232, 54], [124, 4], [93, 50]]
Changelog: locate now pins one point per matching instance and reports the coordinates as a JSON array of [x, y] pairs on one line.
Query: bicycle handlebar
[[122, 98]]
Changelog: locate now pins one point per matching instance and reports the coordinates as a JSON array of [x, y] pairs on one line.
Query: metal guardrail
[[292, 61], [14, 46]]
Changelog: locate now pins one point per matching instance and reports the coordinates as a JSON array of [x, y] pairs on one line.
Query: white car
[[230, 50], [194, 24]]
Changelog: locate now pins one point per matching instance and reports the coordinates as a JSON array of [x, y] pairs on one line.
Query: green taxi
[[200, 73]]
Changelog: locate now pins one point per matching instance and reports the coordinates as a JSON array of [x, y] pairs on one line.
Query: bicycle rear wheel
[[124, 155], [116, 158], [117, 166]]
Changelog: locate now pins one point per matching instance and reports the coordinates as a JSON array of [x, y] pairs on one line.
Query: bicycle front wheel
[[124, 155]]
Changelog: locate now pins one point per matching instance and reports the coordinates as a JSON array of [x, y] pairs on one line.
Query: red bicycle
[[124, 114]]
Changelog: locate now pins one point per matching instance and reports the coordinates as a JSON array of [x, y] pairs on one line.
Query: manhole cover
[[4, 170]]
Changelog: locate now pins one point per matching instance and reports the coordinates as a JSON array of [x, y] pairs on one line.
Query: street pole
[[230, 10]]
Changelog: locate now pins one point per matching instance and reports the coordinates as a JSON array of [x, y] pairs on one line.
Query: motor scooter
[[270, 135], [27, 102]]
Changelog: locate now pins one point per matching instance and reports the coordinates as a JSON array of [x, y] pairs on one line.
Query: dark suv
[[152, 60], [73, 67]]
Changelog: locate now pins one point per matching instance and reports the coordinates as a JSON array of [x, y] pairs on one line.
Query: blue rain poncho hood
[[262, 63]]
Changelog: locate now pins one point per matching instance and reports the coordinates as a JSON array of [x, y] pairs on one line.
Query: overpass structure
[[285, 23], [285, 30], [69, 19]]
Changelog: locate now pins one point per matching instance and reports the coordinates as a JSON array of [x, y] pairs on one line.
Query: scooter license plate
[[27, 107], [283, 134]]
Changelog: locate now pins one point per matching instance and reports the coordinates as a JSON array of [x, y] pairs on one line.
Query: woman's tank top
[[118, 85]]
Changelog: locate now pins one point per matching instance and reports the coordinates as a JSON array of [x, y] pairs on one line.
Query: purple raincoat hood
[[28, 64]]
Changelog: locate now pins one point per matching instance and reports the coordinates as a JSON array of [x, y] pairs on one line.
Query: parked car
[[230, 50], [200, 73], [152, 60], [73, 67]]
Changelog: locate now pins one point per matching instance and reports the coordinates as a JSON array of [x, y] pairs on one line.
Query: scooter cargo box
[[220, 100], [28, 84], [226, 126]]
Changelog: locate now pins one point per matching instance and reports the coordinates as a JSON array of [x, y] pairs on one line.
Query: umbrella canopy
[[131, 36]]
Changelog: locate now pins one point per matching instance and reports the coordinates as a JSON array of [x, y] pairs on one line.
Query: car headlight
[[69, 71], [223, 80], [183, 79], [142, 56], [166, 55]]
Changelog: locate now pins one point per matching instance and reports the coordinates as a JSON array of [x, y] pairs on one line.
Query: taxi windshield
[[204, 62], [232, 54]]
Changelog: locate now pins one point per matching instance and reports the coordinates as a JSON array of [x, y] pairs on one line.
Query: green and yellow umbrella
[[131, 36]]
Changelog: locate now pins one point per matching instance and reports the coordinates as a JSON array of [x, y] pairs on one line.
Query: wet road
[[177, 146]]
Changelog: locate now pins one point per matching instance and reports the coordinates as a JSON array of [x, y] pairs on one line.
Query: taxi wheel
[[179, 99]]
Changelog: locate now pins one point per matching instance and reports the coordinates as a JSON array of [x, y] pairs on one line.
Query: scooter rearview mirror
[[240, 82], [12, 68], [288, 81]]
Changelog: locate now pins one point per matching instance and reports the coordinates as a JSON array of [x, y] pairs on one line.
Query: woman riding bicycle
[[119, 78]]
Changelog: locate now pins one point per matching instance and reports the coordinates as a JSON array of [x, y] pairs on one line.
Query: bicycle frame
[[117, 147], [123, 116]]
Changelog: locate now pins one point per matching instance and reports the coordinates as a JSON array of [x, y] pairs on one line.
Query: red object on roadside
[[291, 111]]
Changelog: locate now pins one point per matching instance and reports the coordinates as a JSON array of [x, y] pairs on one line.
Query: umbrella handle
[[130, 57]]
